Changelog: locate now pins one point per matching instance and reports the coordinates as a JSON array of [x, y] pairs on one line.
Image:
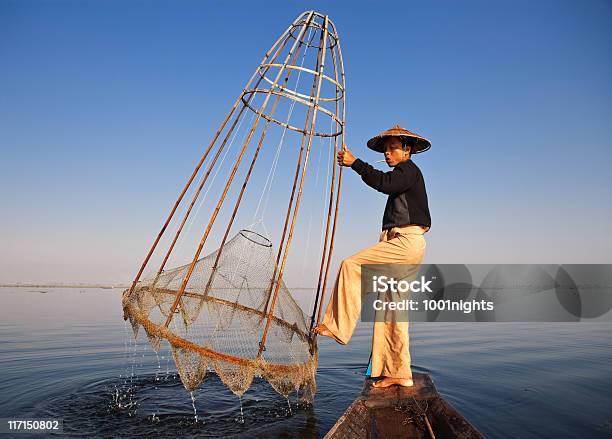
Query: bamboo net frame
[[195, 290]]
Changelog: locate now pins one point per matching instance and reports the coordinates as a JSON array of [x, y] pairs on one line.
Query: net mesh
[[221, 316]]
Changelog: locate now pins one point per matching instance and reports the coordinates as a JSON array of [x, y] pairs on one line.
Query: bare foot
[[321, 329], [387, 382]]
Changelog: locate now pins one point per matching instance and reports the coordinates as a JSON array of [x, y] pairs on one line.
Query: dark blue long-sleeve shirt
[[405, 185]]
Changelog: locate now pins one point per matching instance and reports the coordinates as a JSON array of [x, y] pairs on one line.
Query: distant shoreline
[[33, 285], [103, 286]]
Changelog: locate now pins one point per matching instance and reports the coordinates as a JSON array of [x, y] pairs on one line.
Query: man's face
[[394, 152]]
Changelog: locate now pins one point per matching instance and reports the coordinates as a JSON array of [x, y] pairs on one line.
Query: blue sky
[[107, 106]]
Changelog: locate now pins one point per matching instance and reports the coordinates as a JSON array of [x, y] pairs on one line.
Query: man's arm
[[400, 179]]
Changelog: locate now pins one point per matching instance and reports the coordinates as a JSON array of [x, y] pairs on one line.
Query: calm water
[[67, 353]]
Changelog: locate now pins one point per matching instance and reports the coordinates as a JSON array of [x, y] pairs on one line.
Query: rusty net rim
[[286, 125], [255, 237], [259, 363], [339, 87], [208, 298], [313, 24]]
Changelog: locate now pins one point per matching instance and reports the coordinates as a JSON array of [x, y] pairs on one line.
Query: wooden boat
[[402, 412]]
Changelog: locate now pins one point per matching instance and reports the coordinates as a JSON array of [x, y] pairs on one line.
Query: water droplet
[[195, 413], [289, 412], [241, 419]]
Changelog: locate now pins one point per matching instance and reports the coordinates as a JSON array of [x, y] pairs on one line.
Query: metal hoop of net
[[226, 306]]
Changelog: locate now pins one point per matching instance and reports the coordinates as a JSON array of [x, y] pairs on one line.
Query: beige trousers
[[390, 342]]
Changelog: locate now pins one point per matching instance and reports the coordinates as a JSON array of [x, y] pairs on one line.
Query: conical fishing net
[[230, 311], [221, 316]]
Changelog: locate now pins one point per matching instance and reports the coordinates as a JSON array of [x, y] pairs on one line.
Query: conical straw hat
[[420, 143]]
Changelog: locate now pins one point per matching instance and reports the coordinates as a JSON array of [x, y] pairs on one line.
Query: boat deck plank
[[396, 412]]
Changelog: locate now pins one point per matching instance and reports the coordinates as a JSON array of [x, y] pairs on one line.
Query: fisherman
[[405, 220]]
